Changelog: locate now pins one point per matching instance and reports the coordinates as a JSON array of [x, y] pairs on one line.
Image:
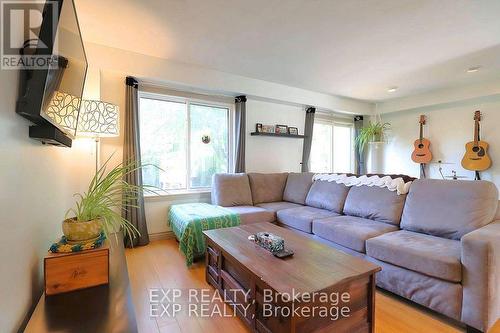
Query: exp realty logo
[[20, 25]]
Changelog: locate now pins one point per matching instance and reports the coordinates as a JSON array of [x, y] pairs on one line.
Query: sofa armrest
[[481, 276]]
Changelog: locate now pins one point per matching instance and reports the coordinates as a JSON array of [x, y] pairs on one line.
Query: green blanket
[[187, 221]]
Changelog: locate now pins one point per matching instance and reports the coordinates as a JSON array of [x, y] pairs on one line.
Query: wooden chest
[[253, 281], [65, 272]]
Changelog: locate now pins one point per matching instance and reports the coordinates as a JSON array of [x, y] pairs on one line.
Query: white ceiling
[[354, 48]]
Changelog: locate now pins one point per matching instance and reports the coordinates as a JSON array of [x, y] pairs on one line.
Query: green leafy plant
[[372, 132], [108, 194]]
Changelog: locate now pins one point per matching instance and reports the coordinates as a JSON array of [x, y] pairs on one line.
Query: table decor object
[[70, 271]]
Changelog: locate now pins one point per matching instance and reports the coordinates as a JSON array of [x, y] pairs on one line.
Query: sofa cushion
[[251, 214], [276, 206], [433, 256], [439, 295], [301, 217], [231, 190], [267, 187], [327, 195], [374, 203], [297, 187], [449, 208], [350, 231]]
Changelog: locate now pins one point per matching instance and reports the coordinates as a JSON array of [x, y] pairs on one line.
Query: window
[[187, 139], [332, 148], [321, 148]]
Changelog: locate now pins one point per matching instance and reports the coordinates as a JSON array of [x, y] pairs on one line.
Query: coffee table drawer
[[238, 295], [213, 257]]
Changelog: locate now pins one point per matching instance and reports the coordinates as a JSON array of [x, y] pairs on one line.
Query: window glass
[[342, 149], [188, 141], [208, 143], [163, 130], [321, 148], [332, 148]]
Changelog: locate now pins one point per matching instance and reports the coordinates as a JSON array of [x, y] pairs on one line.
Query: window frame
[[339, 123], [188, 101]]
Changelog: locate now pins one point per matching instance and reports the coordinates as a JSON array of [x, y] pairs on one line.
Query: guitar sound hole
[[420, 146], [475, 149]]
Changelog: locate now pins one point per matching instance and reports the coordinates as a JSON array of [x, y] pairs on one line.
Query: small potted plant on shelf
[[374, 132], [98, 210]]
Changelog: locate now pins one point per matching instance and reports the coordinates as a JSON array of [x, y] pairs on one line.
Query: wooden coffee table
[[317, 279]]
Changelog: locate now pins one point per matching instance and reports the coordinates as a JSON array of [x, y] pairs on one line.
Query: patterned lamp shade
[[98, 119], [63, 110]]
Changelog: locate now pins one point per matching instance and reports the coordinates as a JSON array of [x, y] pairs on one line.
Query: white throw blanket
[[396, 184]]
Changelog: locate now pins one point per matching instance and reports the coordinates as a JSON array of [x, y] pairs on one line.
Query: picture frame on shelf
[[282, 129], [268, 129], [258, 128], [293, 131]]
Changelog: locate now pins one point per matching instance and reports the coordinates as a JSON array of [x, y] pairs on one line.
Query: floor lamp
[[98, 119]]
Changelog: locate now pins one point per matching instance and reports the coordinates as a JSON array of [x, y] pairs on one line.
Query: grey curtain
[[240, 132], [132, 152], [359, 159], [308, 133]]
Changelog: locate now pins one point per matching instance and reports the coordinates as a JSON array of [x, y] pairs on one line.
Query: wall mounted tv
[[50, 94]]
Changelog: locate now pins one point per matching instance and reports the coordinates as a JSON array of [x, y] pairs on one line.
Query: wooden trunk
[[78, 270], [226, 273]]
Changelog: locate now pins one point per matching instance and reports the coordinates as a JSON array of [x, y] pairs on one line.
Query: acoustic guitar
[[476, 152], [421, 154]]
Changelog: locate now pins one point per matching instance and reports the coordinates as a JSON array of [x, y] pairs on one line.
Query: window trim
[[339, 123], [188, 101]]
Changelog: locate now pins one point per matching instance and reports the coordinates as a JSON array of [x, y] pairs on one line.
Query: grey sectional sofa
[[438, 246]]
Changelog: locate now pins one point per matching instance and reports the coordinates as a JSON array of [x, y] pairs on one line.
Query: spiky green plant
[[108, 194], [370, 133]]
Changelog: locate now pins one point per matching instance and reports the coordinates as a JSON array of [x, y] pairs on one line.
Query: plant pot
[[377, 137], [375, 157], [81, 232]]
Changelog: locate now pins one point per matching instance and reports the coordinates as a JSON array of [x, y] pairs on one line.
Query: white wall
[[273, 154], [37, 184], [449, 127]]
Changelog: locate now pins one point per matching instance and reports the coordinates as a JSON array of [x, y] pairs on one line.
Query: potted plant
[[374, 132], [99, 209]]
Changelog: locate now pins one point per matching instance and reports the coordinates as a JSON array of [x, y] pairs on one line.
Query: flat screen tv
[[50, 94]]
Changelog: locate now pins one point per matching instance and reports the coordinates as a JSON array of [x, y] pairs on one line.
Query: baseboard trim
[[162, 235]]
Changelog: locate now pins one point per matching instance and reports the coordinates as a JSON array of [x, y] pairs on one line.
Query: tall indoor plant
[[99, 208]]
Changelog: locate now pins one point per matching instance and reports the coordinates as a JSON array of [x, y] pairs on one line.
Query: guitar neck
[[421, 132], [476, 132]]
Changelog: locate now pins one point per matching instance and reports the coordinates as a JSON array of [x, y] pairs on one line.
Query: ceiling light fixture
[[392, 89], [473, 69]]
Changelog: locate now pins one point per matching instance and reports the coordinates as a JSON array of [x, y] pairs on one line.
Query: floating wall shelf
[[296, 136]]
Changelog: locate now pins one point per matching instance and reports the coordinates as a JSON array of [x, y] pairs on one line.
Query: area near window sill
[[167, 196]]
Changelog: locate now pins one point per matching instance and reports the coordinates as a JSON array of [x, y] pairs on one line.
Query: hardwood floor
[[160, 265]]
